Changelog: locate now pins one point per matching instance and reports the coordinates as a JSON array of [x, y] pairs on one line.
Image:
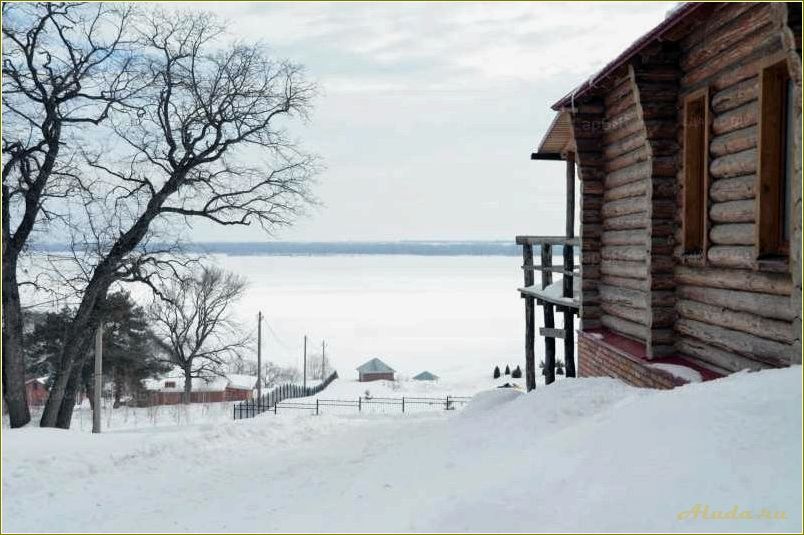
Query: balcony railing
[[562, 296]]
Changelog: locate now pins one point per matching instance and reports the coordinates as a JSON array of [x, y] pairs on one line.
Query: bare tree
[[65, 66], [194, 324], [207, 142]]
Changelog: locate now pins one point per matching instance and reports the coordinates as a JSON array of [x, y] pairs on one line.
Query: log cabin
[[687, 148]]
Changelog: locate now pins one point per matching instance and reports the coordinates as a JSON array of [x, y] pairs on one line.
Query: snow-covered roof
[[242, 382], [425, 376], [40, 380], [212, 383], [375, 365]]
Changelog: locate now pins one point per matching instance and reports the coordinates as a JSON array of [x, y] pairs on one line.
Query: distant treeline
[[419, 248]]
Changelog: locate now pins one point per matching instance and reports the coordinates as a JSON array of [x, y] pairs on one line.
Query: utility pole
[[305, 362], [259, 355], [96, 409], [323, 358]]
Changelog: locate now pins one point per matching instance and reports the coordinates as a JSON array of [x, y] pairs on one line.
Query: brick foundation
[[603, 354]]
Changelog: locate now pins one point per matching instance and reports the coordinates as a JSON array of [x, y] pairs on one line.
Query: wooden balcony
[[561, 296]]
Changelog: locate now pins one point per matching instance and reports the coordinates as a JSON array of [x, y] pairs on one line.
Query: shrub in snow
[[517, 373], [559, 367], [496, 372], [507, 370]]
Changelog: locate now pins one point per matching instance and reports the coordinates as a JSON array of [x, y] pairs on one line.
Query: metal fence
[[373, 405], [268, 401]]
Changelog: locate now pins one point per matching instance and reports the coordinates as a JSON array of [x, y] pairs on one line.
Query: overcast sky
[[429, 111]]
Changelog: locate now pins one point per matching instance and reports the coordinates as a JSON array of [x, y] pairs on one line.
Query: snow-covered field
[[580, 455]]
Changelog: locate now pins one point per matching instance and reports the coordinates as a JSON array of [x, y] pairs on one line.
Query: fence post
[[403, 403], [316, 406], [447, 408], [276, 405], [359, 404]]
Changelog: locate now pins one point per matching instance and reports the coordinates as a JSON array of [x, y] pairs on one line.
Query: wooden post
[[323, 357], [403, 403], [360, 404], [304, 373], [259, 355], [549, 321], [569, 267], [316, 406], [96, 410], [530, 320]]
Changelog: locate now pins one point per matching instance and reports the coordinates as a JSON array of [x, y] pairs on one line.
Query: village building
[[36, 391], [375, 370], [425, 376], [688, 151], [170, 390]]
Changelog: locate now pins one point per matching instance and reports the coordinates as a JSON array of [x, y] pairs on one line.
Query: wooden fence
[[268, 401]]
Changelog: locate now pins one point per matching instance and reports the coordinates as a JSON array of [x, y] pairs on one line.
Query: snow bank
[[580, 455]]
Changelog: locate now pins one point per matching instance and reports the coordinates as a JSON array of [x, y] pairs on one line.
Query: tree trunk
[[13, 358], [118, 387], [188, 385]]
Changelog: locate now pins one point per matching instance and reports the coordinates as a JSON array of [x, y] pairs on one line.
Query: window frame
[[769, 244], [696, 250]]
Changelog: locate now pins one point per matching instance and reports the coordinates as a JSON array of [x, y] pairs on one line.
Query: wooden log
[[718, 357], [661, 281], [622, 296], [733, 211], [636, 315], [629, 253], [623, 129], [733, 189], [734, 142], [640, 154], [630, 270], [748, 345], [662, 317], [617, 107], [746, 322], [624, 282], [660, 128], [769, 306], [620, 89], [625, 327], [626, 222], [623, 207], [530, 344], [569, 343], [733, 234], [758, 40], [731, 165], [726, 38], [624, 237], [732, 256], [736, 119], [629, 191], [663, 188], [722, 16], [625, 145], [749, 281], [736, 95]]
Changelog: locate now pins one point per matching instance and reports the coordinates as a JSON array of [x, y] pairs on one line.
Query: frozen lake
[[456, 316]]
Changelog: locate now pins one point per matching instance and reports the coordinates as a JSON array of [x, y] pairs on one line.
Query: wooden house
[[688, 151], [375, 370], [36, 391], [214, 389]]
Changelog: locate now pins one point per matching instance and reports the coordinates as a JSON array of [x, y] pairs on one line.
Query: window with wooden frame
[[776, 148], [696, 173]]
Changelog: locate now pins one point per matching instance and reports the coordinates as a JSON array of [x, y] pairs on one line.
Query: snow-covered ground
[[580, 455]]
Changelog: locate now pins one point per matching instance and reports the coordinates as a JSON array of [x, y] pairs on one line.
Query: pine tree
[[507, 370], [496, 372], [559, 367], [517, 373]]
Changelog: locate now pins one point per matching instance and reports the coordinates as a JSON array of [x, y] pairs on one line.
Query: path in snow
[[587, 454]]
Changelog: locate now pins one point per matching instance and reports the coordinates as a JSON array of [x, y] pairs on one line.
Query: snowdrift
[[580, 455]]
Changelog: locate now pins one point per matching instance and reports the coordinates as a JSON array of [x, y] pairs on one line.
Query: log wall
[[587, 127], [722, 307], [730, 312], [623, 287]]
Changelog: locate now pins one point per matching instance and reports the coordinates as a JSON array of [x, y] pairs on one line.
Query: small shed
[[36, 391], [426, 376], [375, 370]]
